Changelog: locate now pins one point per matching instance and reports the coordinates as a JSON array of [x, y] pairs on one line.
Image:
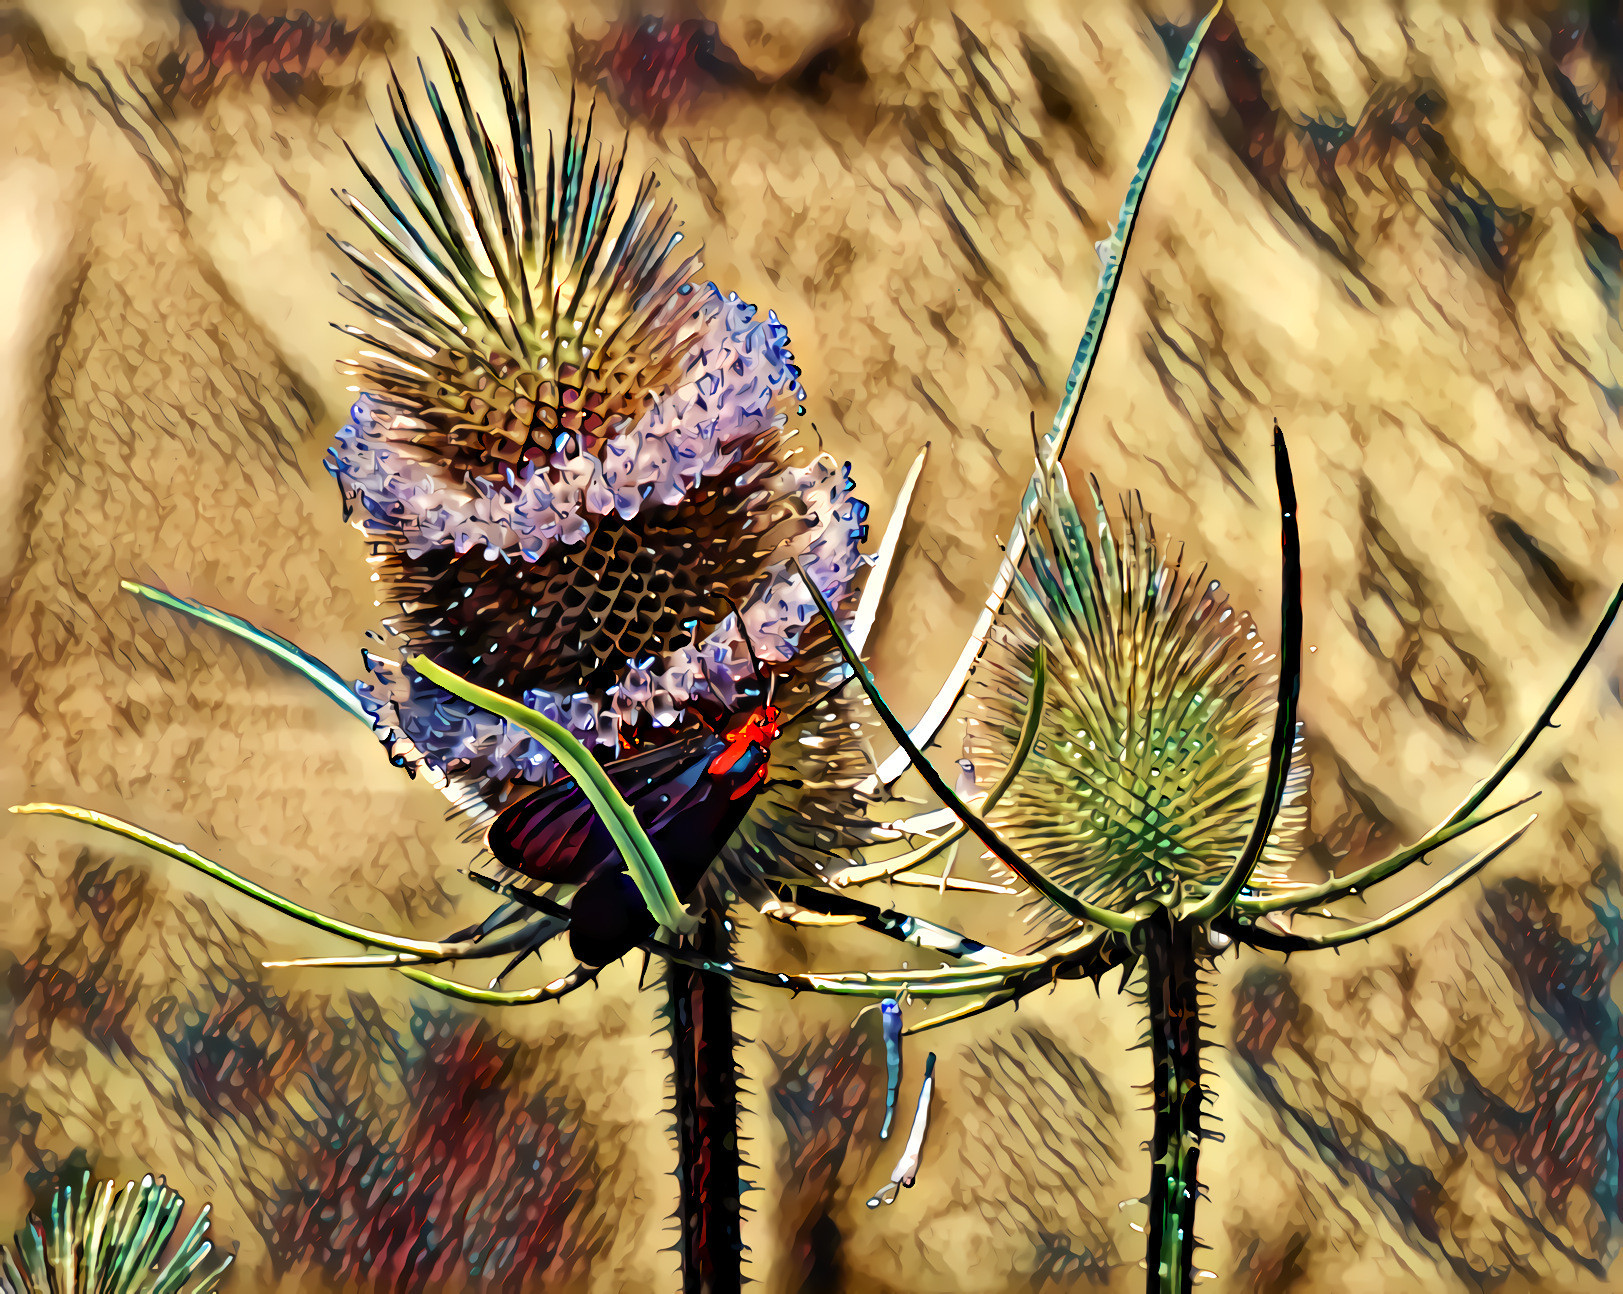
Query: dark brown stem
[[706, 1082], [1171, 994]]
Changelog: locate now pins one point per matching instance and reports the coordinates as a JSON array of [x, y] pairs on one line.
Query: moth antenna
[[710, 686], [755, 662]]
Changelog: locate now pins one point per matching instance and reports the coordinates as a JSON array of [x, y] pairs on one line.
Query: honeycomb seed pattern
[[570, 621]]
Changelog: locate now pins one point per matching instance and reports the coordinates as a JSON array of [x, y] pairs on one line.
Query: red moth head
[[759, 725]]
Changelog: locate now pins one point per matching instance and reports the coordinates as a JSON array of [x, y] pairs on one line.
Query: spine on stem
[[710, 1167], [1170, 992]]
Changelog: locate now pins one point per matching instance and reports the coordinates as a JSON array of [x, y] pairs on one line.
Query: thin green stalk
[[1076, 385], [181, 854]]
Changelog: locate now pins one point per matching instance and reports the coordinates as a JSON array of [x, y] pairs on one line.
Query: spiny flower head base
[[1152, 752]]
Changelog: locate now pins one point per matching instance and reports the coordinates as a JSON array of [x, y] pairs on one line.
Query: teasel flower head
[[92, 1240], [1152, 754], [572, 457]]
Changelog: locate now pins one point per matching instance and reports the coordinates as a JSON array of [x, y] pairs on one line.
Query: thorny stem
[[1170, 993], [709, 1166]]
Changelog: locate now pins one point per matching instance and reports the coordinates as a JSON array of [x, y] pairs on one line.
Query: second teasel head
[[1152, 753]]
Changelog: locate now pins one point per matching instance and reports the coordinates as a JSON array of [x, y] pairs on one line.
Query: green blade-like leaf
[[1076, 383], [325, 678], [1104, 297], [641, 859]]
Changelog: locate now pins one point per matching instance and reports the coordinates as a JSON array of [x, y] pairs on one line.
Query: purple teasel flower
[[576, 468]]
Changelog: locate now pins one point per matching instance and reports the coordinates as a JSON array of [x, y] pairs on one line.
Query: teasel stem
[[1171, 996], [705, 1076]]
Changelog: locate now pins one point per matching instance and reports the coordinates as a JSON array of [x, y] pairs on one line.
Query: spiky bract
[[1150, 760], [93, 1241], [517, 315]]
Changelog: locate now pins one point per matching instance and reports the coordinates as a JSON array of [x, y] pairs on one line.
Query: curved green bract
[[1069, 903], [1289, 693], [1356, 882], [641, 859], [332, 684], [1287, 941], [865, 872], [181, 854], [1546, 719], [498, 997]]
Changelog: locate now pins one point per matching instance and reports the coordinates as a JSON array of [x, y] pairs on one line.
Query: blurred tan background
[[1393, 227]]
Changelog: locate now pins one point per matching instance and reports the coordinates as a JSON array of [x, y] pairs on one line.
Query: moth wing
[[555, 835]]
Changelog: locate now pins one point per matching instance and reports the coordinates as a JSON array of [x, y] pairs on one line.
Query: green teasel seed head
[[1151, 756], [93, 1240]]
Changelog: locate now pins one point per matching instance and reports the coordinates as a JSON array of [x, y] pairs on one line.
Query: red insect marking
[[760, 728]]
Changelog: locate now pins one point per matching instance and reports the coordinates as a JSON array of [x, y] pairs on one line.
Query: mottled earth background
[[1393, 227]]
